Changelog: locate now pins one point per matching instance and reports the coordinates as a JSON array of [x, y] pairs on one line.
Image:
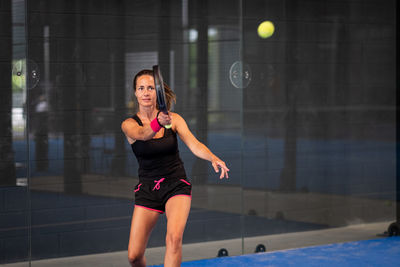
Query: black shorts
[[154, 194]]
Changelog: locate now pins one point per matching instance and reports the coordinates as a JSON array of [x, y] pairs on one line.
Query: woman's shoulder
[[175, 115], [178, 122], [127, 121], [134, 119]]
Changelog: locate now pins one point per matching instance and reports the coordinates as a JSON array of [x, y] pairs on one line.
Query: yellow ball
[[266, 29]]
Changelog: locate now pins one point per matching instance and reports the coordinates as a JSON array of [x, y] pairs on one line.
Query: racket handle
[[169, 125]]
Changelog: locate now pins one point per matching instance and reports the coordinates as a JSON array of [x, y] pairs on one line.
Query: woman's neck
[[147, 112]]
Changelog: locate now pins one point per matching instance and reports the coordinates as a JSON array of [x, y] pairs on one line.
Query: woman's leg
[[177, 211], [143, 222]]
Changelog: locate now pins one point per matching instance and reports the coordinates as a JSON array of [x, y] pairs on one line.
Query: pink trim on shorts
[[186, 182], [160, 211]]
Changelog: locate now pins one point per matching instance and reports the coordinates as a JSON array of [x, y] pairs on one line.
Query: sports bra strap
[[137, 119]]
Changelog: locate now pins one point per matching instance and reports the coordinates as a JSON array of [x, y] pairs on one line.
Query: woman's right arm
[[134, 131]]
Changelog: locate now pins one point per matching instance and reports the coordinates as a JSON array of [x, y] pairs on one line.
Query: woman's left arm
[[197, 148]]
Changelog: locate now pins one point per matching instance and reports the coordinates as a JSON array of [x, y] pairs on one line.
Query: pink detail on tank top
[[138, 188], [186, 182], [158, 182]]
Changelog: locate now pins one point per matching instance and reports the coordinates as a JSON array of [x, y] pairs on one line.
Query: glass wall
[[319, 122], [305, 119]]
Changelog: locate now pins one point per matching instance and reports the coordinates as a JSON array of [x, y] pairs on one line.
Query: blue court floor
[[377, 252]]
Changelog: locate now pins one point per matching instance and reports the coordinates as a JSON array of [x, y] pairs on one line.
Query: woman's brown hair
[[169, 94]]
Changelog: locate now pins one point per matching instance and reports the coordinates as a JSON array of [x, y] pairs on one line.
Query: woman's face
[[145, 91]]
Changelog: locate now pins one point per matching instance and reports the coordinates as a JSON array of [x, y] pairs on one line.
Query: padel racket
[[161, 100]]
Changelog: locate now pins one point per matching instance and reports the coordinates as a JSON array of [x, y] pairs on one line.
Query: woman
[[163, 186]]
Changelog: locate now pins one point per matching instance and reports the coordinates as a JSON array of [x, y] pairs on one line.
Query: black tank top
[[158, 158]]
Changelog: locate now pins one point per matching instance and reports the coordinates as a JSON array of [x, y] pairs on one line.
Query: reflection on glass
[[240, 74]]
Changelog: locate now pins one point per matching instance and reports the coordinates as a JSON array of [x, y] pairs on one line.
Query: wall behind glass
[[81, 171], [319, 114]]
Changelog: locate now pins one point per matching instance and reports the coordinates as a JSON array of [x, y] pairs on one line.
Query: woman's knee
[[174, 241], [135, 256]]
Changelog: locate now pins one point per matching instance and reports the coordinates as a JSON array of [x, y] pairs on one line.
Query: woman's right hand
[[164, 119]]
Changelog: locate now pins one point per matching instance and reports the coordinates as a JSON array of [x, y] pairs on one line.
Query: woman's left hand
[[219, 164]]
